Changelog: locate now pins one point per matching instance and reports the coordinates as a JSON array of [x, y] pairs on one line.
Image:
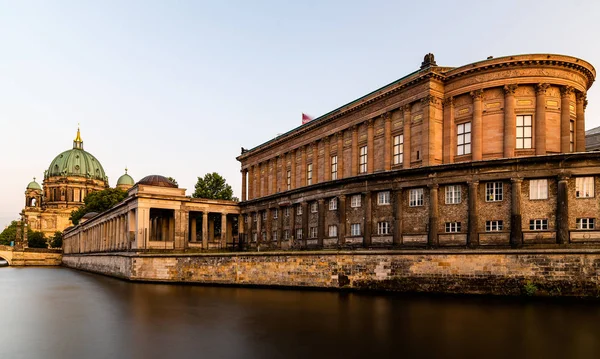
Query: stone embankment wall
[[32, 257], [531, 272]]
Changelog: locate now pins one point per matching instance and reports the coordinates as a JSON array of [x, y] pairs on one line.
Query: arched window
[[32, 202]]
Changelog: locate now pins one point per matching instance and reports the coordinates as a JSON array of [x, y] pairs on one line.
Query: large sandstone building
[[486, 154]]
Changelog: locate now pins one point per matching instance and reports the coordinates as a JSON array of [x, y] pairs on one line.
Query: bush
[[57, 240], [36, 240]]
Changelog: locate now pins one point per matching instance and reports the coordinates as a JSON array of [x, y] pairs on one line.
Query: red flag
[[306, 118]]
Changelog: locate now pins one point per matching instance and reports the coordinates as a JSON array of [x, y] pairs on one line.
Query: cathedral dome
[[76, 162], [34, 185], [125, 180]]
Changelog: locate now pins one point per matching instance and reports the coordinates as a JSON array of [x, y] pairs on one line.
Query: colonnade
[[108, 235]]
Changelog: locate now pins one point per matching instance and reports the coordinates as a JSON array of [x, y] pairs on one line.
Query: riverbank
[[556, 272]]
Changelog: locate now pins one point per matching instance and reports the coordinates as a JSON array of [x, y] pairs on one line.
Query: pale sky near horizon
[[177, 87]]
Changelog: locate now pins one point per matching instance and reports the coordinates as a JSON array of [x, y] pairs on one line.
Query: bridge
[[31, 256]]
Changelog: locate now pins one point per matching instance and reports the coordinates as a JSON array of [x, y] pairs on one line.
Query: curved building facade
[[490, 153]]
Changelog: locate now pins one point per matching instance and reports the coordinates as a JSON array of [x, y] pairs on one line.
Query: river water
[[63, 313]]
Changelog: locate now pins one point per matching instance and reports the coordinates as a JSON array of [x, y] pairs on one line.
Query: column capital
[[370, 122], [314, 144], [429, 100], [580, 97], [321, 200], [510, 89], [386, 116], [566, 91], [325, 139], [516, 180], [540, 89], [448, 102], [406, 107], [354, 128], [339, 135], [563, 177], [477, 94], [473, 183], [433, 186], [342, 196]]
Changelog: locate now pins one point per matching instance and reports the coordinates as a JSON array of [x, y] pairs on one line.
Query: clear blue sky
[[177, 87]]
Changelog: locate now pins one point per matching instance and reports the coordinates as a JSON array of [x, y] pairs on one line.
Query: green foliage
[[36, 240], [213, 186], [173, 180], [98, 202], [57, 240], [9, 234], [530, 288]]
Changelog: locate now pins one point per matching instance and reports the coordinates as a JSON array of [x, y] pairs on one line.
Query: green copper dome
[[34, 185], [76, 162], [125, 180]]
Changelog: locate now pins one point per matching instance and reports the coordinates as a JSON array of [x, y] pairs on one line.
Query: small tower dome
[[125, 182], [34, 185]]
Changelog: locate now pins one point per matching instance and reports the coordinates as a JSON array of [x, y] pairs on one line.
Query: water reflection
[[61, 313]]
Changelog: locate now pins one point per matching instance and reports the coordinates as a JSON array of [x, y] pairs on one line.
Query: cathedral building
[[491, 153], [71, 176]]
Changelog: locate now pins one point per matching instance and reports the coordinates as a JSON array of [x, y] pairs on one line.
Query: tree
[[36, 240], [213, 186], [9, 234], [173, 180], [57, 240], [99, 201]]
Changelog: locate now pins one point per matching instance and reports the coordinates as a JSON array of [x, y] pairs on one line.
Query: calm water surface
[[62, 313]]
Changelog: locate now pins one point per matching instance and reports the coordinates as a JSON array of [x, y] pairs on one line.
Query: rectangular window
[[333, 204], [289, 180], [333, 167], [254, 237], [355, 201], [453, 194], [524, 131], [362, 168], [332, 231], [314, 207], [463, 139], [383, 198], [585, 223], [493, 226], [398, 149], [313, 232], [355, 229], [538, 224], [383, 228], [538, 189], [263, 235], [309, 174], [245, 218], [264, 215], [299, 210], [584, 187], [286, 211], [254, 217], [275, 213], [493, 191], [286, 234], [572, 136], [274, 236], [299, 233], [415, 197], [452, 227]]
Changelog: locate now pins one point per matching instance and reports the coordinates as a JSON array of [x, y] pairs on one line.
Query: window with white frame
[[415, 197], [299, 233], [538, 189], [584, 187], [254, 237], [524, 132], [299, 210], [286, 211], [314, 207], [586, 223], [452, 227], [275, 213], [355, 229], [254, 217], [333, 204], [453, 194], [286, 234], [264, 215], [355, 200], [572, 136], [332, 231], [334, 167], [383, 198], [398, 149], [538, 224], [463, 139], [263, 236], [383, 228], [493, 191], [362, 161], [494, 226], [313, 232], [309, 169], [274, 236], [289, 180]]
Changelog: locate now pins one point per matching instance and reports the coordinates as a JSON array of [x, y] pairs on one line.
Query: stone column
[[540, 119], [354, 165], [368, 221], [510, 127], [516, 224], [304, 223], [449, 131], [250, 193], [241, 228], [193, 229], [223, 230], [205, 230], [397, 217], [268, 225], [279, 226], [473, 238], [315, 162], [326, 159], [406, 149], [387, 141], [342, 217], [477, 126], [293, 223], [303, 167], [562, 211], [340, 154], [432, 239], [565, 118], [428, 130], [321, 223], [258, 228], [293, 168], [273, 175], [580, 122], [263, 174], [370, 147], [281, 169], [244, 191]]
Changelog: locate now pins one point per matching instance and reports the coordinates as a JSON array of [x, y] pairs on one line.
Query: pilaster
[[477, 125], [510, 127], [449, 131], [540, 119], [580, 122], [473, 238], [407, 149], [565, 118], [516, 225]]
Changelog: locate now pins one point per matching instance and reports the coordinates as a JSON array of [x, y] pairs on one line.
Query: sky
[[178, 87]]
